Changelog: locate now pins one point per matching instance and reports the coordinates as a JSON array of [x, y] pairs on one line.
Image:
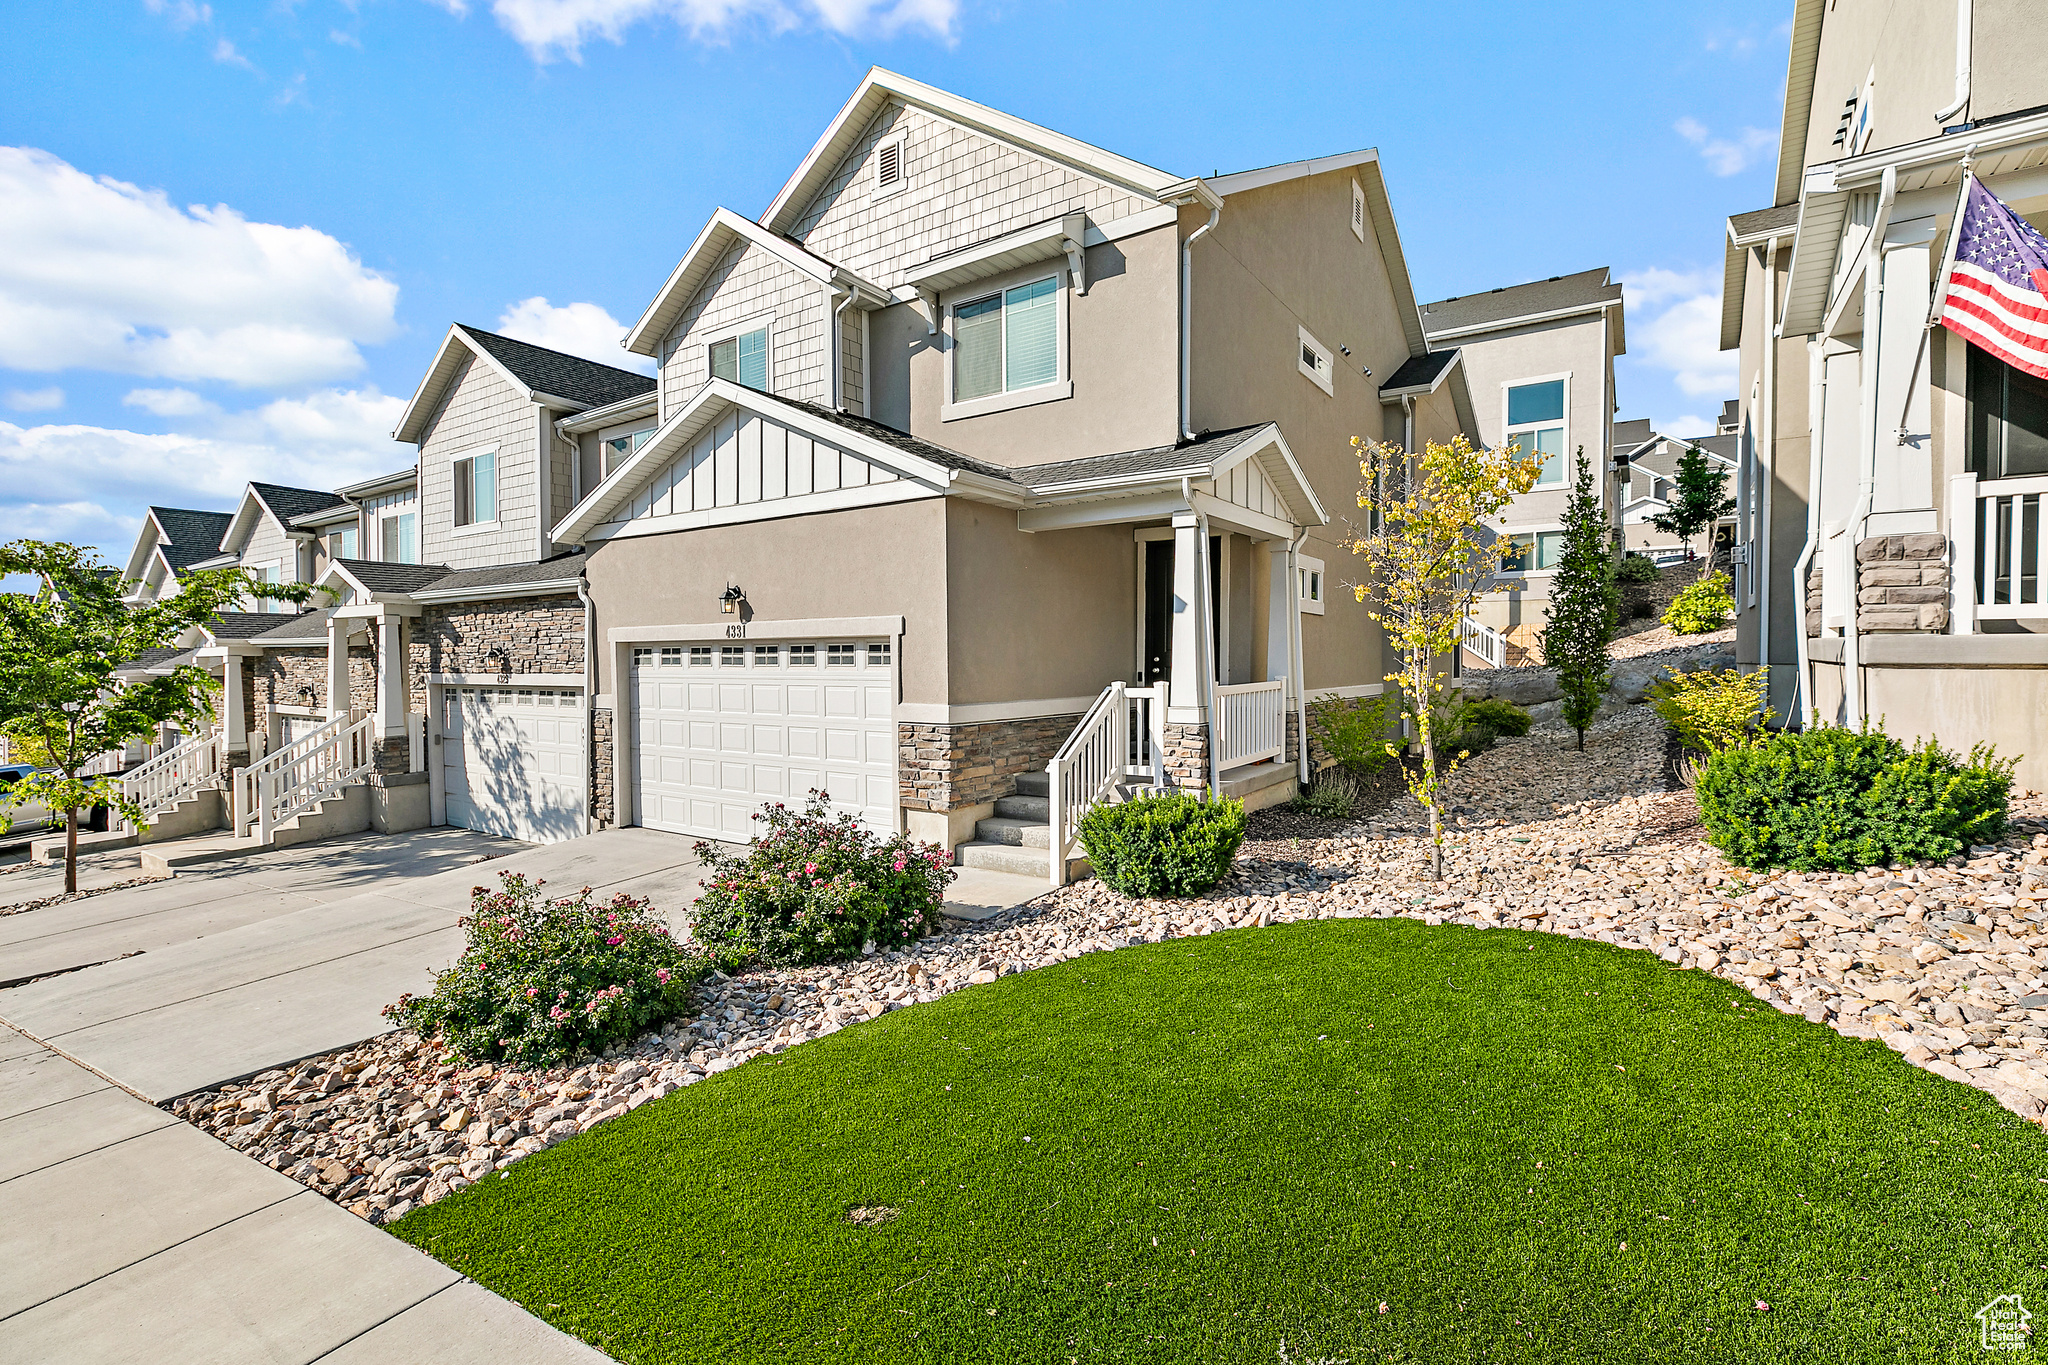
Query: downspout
[[1769, 467], [1203, 607], [1866, 487], [1816, 432], [1187, 322], [838, 400], [1408, 423], [1294, 635], [1962, 64], [589, 706]]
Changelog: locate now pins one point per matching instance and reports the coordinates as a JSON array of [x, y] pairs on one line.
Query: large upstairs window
[[1536, 424], [743, 359], [1007, 341], [2008, 419], [476, 489]]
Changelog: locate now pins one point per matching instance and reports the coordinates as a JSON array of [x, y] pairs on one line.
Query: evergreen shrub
[[1704, 606], [1171, 845]]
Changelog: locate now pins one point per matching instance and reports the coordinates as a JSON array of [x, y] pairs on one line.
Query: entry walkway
[[133, 1237]]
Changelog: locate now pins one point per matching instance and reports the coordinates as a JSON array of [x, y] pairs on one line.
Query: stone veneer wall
[[538, 635], [1815, 612], [948, 767], [281, 677], [1187, 755], [1902, 583], [602, 808]]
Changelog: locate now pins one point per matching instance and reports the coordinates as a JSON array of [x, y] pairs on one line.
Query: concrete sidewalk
[[133, 1237], [292, 980]]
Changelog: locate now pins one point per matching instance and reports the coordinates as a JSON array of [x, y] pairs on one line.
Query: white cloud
[[168, 402], [1684, 425], [182, 14], [1725, 156], [1683, 337], [576, 328], [81, 523], [99, 274], [227, 52], [552, 28], [35, 400]]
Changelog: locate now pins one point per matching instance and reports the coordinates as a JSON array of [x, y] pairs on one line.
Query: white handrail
[[301, 774], [1250, 723], [173, 775], [1991, 546], [1483, 642], [1086, 769]]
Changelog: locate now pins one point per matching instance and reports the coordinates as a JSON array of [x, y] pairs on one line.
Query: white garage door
[[720, 729], [512, 759]]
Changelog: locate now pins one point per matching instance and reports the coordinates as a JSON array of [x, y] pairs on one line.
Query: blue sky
[[232, 234]]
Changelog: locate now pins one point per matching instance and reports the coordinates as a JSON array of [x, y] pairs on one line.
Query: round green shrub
[[541, 981], [1637, 568], [1171, 845], [1496, 714], [1702, 607], [818, 887], [1832, 799]]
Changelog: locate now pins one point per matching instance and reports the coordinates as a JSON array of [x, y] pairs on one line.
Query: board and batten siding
[[963, 188], [746, 283], [480, 410], [745, 458]]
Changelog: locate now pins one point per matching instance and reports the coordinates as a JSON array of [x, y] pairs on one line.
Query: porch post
[[1185, 691], [391, 698], [337, 666], [231, 702]]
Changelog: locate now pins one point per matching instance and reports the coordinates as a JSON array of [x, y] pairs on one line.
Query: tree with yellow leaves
[[1428, 556]]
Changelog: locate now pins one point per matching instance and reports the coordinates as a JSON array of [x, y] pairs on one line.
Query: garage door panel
[[802, 699], [512, 761], [842, 700], [806, 741], [843, 745], [732, 697], [767, 699]]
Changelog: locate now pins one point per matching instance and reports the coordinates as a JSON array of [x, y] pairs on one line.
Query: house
[[1900, 467], [172, 540], [1539, 360], [980, 448], [1651, 460]]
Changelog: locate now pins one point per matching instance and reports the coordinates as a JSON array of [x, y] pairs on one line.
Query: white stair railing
[[1483, 643], [1999, 529], [301, 774], [1086, 769], [1251, 723], [174, 774], [1147, 730]]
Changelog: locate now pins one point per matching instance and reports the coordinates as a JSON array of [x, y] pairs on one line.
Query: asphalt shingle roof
[[287, 503], [379, 575], [193, 535], [305, 628], [1419, 371], [1520, 301], [1194, 454], [1764, 220], [901, 440], [508, 575], [564, 376], [150, 658], [243, 625]]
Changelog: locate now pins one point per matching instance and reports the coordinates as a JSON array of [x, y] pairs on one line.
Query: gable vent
[[889, 165], [1357, 210]]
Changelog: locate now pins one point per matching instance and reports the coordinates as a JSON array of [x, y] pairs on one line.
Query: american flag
[[1998, 285]]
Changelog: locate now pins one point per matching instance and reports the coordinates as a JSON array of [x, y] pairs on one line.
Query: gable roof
[[879, 87], [1419, 374], [305, 628], [241, 625], [281, 502], [725, 228], [1558, 296], [1744, 231], [189, 536], [508, 580], [539, 374], [379, 577], [1802, 58]]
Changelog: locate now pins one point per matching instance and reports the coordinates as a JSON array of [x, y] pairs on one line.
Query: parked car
[[29, 815]]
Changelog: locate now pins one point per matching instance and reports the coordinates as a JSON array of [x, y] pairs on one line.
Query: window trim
[[876, 188], [1564, 479], [1510, 532], [1323, 374], [1062, 383], [475, 524], [731, 331], [1307, 567]]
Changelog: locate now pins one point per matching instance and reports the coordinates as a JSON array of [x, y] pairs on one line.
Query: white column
[[391, 698], [1279, 635], [337, 667], [1189, 601], [231, 702], [1905, 470]]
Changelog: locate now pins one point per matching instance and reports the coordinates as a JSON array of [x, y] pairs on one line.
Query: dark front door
[[1158, 611]]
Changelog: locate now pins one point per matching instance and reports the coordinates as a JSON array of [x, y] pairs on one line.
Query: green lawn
[[1525, 1147]]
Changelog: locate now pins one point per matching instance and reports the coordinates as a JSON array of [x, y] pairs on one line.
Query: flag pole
[[1940, 291]]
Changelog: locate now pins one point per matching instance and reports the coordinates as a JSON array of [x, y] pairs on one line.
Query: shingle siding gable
[[746, 282], [480, 410]]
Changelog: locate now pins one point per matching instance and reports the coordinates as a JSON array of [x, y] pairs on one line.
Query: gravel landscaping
[[1948, 964]]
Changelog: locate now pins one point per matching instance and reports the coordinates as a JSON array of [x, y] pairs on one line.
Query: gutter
[[837, 400], [485, 592], [1770, 431], [589, 707], [1962, 64], [1816, 432]]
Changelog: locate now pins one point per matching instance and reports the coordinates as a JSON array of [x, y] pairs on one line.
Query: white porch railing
[[1147, 730], [1483, 643], [1999, 530], [1085, 770], [175, 774], [299, 775], [1250, 723]]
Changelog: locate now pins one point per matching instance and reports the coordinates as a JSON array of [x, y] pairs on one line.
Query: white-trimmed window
[[1007, 348], [476, 488], [266, 573], [700, 656], [1309, 584], [341, 544], [767, 656], [742, 357], [1357, 211], [803, 656], [617, 448], [878, 654], [1532, 552], [841, 656], [732, 656], [672, 656], [1536, 423], [393, 521], [891, 174], [1315, 361]]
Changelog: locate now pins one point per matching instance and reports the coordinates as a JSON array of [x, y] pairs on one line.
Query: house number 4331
[[738, 632]]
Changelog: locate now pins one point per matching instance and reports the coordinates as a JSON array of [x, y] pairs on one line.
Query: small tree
[[1585, 605], [1428, 558], [59, 647], [1699, 500]]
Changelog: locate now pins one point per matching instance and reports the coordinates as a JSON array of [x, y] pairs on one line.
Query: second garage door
[[512, 761], [717, 730]]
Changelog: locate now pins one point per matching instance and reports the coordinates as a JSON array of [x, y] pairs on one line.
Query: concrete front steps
[[1260, 785], [345, 812], [1018, 838]]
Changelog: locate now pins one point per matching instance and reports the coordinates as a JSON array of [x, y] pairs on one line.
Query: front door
[[1158, 611]]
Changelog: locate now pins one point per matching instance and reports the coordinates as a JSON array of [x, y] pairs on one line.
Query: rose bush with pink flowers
[[543, 980], [815, 886]]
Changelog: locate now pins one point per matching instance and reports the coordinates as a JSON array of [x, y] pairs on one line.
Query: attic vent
[[889, 166], [1357, 211]]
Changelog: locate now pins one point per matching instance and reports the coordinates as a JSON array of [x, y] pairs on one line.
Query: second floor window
[[476, 489], [398, 540], [1536, 424], [1006, 341], [619, 447], [342, 544], [742, 359], [1532, 550]]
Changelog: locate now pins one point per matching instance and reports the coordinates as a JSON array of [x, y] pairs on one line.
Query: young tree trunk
[[70, 852]]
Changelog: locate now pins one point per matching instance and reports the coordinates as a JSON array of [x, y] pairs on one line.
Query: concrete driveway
[[243, 965]]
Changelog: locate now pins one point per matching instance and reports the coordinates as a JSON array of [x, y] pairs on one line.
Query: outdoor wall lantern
[[729, 600]]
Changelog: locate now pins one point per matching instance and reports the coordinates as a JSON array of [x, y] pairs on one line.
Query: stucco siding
[[961, 188], [481, 411], [747, 282]]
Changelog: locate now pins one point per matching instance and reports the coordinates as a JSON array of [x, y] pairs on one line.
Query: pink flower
[[614, 941]]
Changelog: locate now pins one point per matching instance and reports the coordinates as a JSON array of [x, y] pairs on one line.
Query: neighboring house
[[1652, 467], [1888, 449], [264, 540], [1539, 358], [172, 540]]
